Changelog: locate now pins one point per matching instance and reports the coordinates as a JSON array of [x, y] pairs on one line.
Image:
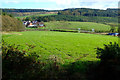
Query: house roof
[[41, 23]]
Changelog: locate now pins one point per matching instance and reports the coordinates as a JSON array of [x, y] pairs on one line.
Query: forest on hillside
[[81, 15], [90, 12], [73, 11]]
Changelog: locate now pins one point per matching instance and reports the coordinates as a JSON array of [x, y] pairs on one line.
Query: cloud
[[59, 1], [99, 4], [102, 4], [62, 4], [12, 2]]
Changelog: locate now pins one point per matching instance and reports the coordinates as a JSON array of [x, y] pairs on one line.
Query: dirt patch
[[7, 33]]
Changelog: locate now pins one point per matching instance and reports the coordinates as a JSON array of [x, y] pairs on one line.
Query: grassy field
[[75, 25], [35, 15], [69, 47]]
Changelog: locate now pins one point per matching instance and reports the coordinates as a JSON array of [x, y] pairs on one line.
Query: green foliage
[[10, 15], [23, 10], [73, 11], [90, 12], [76, 14], [20, 65], [109, 52], [23, 16], [109, 67], [74, 18], [4, 13], [114, 27], [16, 65]]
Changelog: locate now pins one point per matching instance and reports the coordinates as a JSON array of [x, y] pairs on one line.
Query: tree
[[110, 52], [109, 67]]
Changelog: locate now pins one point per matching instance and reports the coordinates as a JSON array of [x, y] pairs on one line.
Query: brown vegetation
[[11, 24]]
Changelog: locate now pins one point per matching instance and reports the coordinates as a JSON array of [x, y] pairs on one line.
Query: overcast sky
[[58, 4]]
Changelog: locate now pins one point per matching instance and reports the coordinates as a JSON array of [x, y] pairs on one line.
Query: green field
[[69, 47], [36, 15], [75, 25]]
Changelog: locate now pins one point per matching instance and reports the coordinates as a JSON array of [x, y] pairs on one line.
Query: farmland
[[75, 25], [69, 47], [35, 15]]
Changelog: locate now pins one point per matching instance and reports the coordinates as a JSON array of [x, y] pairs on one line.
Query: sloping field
[[69, 47], [75, 25]]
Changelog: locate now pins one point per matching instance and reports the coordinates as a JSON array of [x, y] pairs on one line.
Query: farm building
[[41, 24], [33, 24]]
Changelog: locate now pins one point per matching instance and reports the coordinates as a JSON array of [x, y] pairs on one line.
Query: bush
[[109, 67], [111, 52], [19, 65]]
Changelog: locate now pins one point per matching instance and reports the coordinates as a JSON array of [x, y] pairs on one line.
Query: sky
[[58, 4]]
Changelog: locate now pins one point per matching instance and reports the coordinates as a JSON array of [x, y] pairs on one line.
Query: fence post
[[78, 30]]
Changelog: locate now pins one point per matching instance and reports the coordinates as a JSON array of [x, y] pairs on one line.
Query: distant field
[[75, 25], [30, 15], [69, 47]]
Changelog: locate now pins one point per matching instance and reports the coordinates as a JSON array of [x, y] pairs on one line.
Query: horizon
[[59, 4], [61, 9]]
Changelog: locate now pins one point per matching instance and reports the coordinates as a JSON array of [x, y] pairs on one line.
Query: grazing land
[[73, 26], [88, 26], [69, 47], [35, 15]]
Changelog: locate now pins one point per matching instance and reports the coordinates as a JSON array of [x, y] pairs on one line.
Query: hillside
[[11, 24], [72, 14], [71, 11], [90, 12], [96, 19], [67, 25], [26, 12]]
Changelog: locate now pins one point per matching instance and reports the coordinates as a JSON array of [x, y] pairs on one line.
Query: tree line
[[80, 14], [90, 12], [73, 18], [27, 10], [73, 11]]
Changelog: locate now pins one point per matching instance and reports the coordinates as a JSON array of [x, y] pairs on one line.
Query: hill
[[70, 11], [26, 12], [96, 19], [11, 24], [90, 12], [68, 25]]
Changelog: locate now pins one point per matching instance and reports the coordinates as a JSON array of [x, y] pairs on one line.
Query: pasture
[[35, 15], [68, 47], [67, 25]]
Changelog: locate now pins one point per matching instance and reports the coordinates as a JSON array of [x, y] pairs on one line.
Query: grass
[[35, 15], [75, 25], [69, 47]]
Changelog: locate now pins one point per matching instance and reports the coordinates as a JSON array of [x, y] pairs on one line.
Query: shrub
[[109, 67], [16, 65], [110, 52], [19, 65]]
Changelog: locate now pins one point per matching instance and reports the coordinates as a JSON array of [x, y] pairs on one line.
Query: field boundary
[[74, 31]]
